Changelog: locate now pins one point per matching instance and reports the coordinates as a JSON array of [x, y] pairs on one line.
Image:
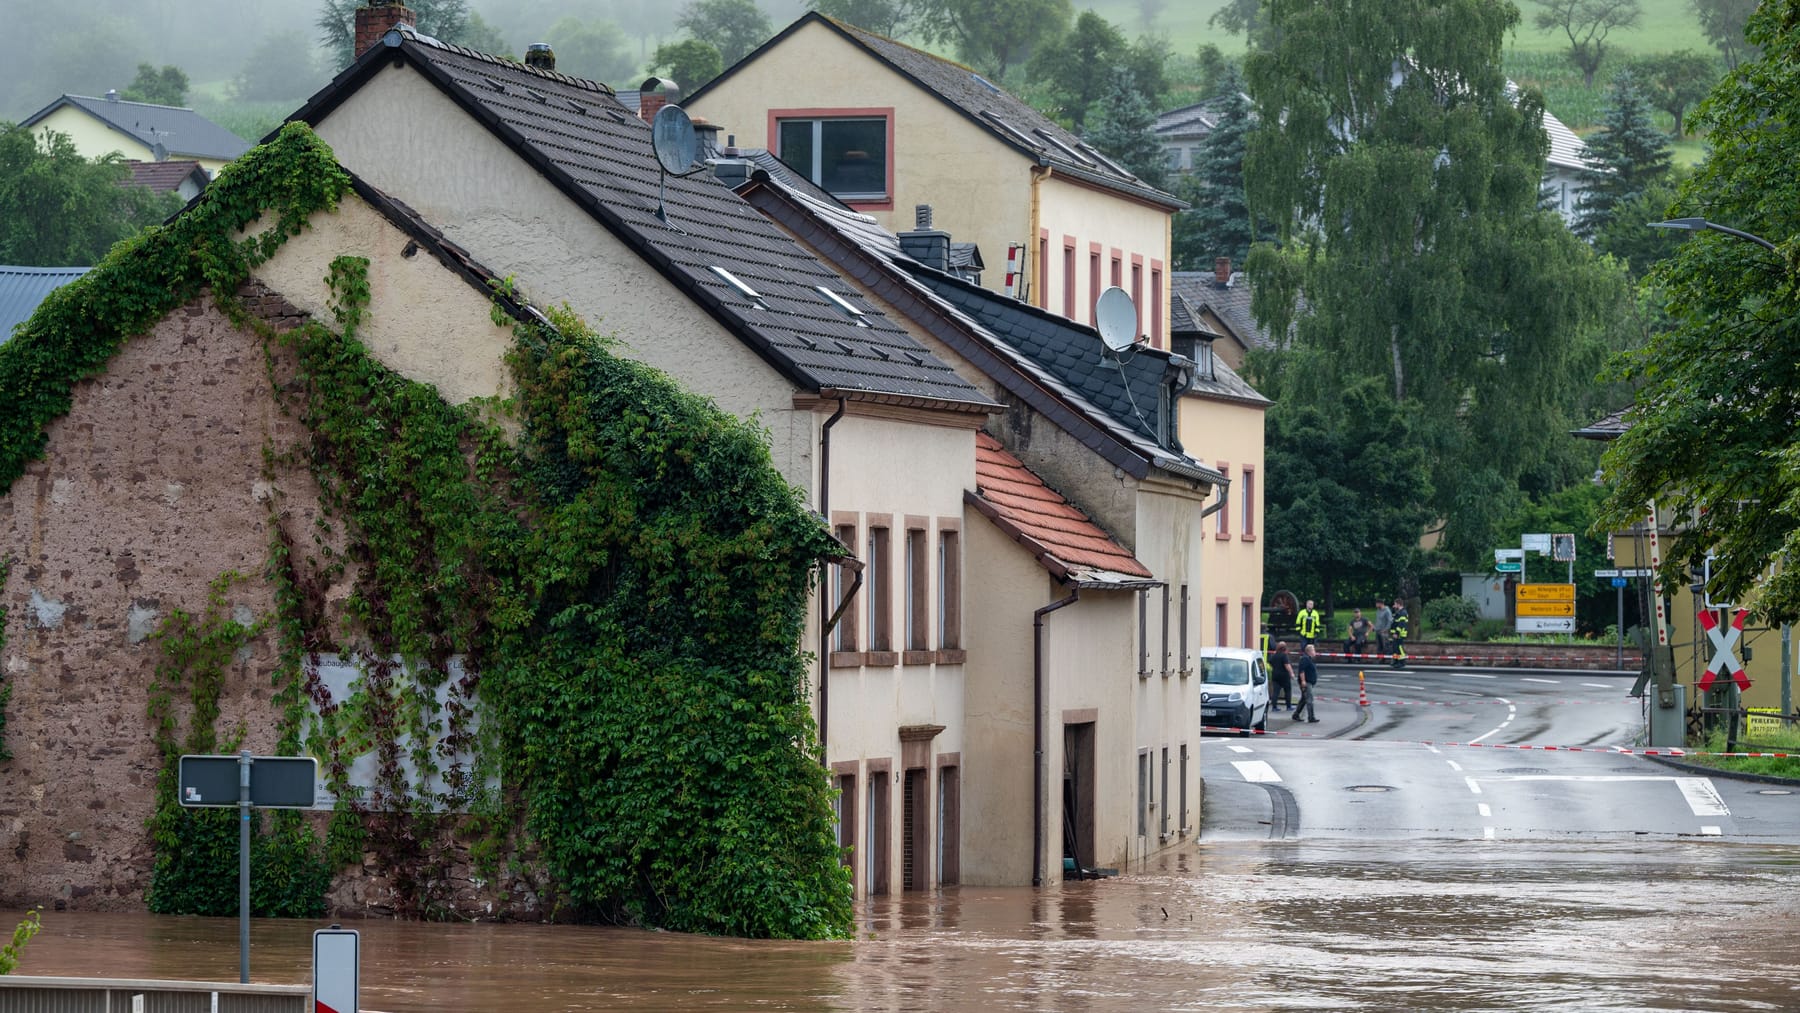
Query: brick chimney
[[655, 93], [541, 56], [1222, 271], [375, 18]]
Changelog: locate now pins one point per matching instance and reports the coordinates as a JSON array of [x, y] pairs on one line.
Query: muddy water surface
[[1295, 925]]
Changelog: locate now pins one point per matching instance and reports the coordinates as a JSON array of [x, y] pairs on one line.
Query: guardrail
[[147, 995]]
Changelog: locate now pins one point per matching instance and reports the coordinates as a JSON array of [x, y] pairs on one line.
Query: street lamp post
[[1702, 225]]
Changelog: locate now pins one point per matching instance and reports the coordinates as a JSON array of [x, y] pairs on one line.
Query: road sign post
[[246, 781], [1544, 608]]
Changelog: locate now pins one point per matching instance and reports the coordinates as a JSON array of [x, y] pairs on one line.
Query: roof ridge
[[499, 61], [865, 33], [129, 102]]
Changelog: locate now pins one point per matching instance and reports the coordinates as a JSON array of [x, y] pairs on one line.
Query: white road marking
[[1482, 808], [1434, 749], [1240, 749], [1711, 832], [1547, 682], [1257, 771], [1454, 765], [1473, 786], [1471, 675], [1396, 685], [1595, 685], [1511, 712], [1702, 797], [1487, 833]]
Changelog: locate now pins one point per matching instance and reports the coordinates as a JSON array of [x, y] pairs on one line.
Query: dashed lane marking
[[1595, 685], [1711, 832], [1474, 785], [1702, 797], [1240, 749], [1487, 833], [1547, 682], [1482, 808], [1454, 765], [1257, 771]]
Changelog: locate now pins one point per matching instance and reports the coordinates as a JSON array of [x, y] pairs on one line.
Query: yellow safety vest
[[1308, 622]]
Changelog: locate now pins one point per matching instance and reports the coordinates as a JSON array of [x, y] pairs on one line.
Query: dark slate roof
[[1225, 383], [22, 288], [1197, 120], [1046, 361], [181, 131], [1609, 427], [595, 151], [167, 177], [1004, 116], [1231, 302], [1065, 541]]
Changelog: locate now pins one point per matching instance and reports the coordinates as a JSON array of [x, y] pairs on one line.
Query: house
[[886, 127], [22, 288], [546, 177], [1224, 414], [1182, 131], [141, 131], [1084, 542], [182, 177], [1217, 302]]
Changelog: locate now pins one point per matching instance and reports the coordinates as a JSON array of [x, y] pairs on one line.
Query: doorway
[[1078, 800]]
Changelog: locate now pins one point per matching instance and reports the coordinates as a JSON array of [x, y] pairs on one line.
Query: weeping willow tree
[[1401, 171]]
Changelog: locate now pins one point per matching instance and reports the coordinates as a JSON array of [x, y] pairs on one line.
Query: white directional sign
[[1536, 543], [337, 969], [1544, 624], [1625, 573]]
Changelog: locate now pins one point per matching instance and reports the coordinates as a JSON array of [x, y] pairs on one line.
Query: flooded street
[[1275, 925]]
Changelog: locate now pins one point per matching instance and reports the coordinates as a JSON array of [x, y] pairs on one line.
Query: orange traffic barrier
[[1362, 692]]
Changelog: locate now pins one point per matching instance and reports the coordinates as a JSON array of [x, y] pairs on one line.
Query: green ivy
[[5, 689], [9, 953], [620, 570]]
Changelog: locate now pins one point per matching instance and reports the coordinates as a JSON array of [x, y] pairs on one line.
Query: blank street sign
[[276, 782]]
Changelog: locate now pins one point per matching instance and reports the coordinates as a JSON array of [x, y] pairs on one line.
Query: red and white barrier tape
[[1610, 750], [1498, 660], [1461, 703]]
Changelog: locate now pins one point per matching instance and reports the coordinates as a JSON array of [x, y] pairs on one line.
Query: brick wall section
[[374, 19]]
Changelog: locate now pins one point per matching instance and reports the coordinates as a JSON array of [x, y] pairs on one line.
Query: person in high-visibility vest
[[1308, 624], [1402, 625]]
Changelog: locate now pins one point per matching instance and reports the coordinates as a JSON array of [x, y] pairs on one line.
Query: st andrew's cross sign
[[1724, 661]]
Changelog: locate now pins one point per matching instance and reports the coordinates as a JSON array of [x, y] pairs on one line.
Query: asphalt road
[[1437, 754]]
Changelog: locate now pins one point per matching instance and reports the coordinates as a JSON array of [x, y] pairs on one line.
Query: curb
[[1696, 768]]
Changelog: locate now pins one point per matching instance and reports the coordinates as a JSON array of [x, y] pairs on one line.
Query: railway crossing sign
[[1724, 659]]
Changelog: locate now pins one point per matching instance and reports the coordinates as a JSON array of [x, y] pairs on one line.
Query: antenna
[[1116, 319], [672, 138]]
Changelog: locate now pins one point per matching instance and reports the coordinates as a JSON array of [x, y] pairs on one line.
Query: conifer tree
[[1217, 222], [1123, 126], [1632, 153]]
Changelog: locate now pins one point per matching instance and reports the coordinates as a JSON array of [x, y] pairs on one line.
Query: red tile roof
[[164, 177], [1063, 538]]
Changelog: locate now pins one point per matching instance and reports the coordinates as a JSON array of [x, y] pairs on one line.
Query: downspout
[[827, 617], [1037, 732], [1039, 173], [1224, 498]]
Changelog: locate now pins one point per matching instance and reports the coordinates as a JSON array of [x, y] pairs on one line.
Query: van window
[[1225, 671]]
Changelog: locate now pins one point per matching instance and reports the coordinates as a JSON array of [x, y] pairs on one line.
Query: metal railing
[[27, 994]]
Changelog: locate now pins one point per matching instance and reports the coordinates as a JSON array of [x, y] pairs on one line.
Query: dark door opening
[[1078, 800], [915, 826]]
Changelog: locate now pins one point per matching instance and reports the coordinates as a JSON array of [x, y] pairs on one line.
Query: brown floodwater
[[1279, 925]]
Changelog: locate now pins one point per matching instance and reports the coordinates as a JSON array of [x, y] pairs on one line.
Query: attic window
[[1109, 163], [985, 83], [1012, 130], [1065, 149], [856, 315], [734, 281]]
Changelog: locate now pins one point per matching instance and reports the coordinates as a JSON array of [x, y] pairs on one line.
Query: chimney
[[734, 172], [1222, 271], [925, 244], [112, 94], [540, 56], [655, 93], [375, 18], [707, 137]]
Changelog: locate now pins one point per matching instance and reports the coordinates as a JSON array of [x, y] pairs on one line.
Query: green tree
[[1216, 72], [1242, 17], [1217, 222], [1715, 428], [1353, 497], [1633, 154], [992, 35], [445, 20], [1573, 509], [165, 87], [1077, 69], [883, 17], [1723, 22], [281, 67], [1625, 236], [1124, 127], [690, 62], [1587, 23], [596, 50], [1410, 245], [483, 37], [59, 209], [734, 27], [1673, 82]]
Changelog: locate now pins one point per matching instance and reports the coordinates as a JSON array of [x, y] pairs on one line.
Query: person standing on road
[[1308, 624], [1307, 675], [1358, 640], [1281, 677], [1384, 623], [1402, 626]]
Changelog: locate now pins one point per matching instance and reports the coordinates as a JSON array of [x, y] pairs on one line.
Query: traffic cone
[[1362, 692]]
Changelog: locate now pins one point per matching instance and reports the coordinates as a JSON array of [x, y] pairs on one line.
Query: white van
[[1234, 689]]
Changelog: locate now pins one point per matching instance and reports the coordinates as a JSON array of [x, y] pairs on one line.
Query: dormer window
[[844, 306], [847, 156], [737, 283]]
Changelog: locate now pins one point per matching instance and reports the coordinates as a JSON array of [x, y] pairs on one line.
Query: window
[[1181, 824], [1222, 519], [949, 825], [1137, 292], [1118, 267], [1247, 482], [1157, 338], [1165, 630], [949, 591], [1220, 629], [1246, 623], [1068, 278], [1184, 628], [844, 637], [1143, 634], [847, 156], [1162, 812], [918, 583], [1042, 296], [880, 605], [846, 821], [1093, 284], [1143, 809]]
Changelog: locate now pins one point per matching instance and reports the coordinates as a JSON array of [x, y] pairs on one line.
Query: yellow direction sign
[[1545, 592], [1548, 609]]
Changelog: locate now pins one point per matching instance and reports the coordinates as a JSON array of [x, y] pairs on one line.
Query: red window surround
[[1222, 519], [773, 141], [1157, 338], [1248, 523]]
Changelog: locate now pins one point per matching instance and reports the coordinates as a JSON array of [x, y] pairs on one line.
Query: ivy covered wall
[[615, 566]]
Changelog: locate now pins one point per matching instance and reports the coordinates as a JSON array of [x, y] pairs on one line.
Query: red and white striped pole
[[1013, 250]]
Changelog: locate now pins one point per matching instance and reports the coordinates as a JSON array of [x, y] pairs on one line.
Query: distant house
[[22, 288], [140, 131], [886, 127], [1182, 131], [183, 177], [550, 179], [1217, 302], [1085, 538]]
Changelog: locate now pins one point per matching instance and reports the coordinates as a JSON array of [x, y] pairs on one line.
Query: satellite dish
[[1116, 318], [672, 138]]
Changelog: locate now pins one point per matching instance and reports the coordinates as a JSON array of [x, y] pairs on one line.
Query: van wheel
[[1261, 726]]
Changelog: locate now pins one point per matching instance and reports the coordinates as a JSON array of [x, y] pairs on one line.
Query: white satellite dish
[[1116, 318], [672, 138]]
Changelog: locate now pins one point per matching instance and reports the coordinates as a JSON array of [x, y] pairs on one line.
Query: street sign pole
[[244, 867], [1619, 593]]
